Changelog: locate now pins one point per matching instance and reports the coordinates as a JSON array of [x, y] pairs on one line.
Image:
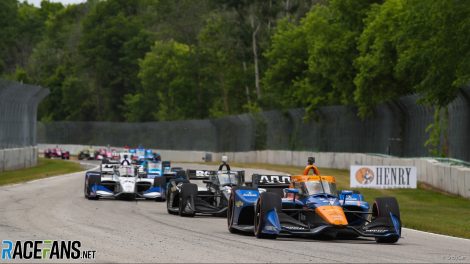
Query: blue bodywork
[[153, 172], [295, 214]]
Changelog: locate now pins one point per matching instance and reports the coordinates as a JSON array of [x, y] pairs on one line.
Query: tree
[[224, 73], [167, 87], [8, 20], [404, 49], [112, 39], [376, 81], [311, 63], [287, 65], [55, 63]]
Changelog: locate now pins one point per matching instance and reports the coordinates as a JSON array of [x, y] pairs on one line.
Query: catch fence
[[18, 113], [397, 128]]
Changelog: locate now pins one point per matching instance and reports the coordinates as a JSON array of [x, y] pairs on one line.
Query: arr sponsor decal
[[383, 177], [44, 249], [273, 179]]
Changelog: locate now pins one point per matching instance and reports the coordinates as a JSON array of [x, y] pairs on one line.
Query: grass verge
[[421, 209], [45, 168]]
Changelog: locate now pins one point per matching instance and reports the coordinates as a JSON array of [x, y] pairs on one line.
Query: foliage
[[437, 141], [147, 60], [167, 92]]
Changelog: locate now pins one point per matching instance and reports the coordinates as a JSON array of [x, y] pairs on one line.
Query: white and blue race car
[[122, 182]]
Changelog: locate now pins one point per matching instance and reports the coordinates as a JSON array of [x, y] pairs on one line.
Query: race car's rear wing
[[108, 168], [166, 166], [200, 174], [272, 183], [179, 174]]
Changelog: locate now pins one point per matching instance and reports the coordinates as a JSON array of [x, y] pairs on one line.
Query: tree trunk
[[224, 94], [287, 7], [247, 89], [255, 55]]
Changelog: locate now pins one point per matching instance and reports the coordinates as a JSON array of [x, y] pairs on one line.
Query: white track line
[[434, 234]]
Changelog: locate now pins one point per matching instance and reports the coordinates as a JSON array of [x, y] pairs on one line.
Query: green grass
[[45, 168], [421, 209]]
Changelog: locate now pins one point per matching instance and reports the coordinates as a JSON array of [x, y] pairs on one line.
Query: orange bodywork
[[306, 178], [311, 167], [332, 214]]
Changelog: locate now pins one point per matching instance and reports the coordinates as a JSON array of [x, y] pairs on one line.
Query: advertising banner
[[383, 177]]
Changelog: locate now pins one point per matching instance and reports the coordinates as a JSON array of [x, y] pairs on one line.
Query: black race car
[[187, 198]]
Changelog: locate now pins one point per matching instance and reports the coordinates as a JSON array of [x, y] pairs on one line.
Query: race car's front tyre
[[160, 182], [382, 207], [187, 197], [230, 212], [168, 203], [90, 181], [266, 202]]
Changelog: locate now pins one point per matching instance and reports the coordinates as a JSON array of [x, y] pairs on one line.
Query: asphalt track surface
[[143, 231]]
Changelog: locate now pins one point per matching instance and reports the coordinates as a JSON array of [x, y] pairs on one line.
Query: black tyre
[[187, 197], [160, 182], [266, 202], [382, 208], [168, 205], [90, 181], [231, 209]]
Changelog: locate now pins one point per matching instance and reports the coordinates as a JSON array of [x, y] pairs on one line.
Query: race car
[[188, 199], [153, 168], [56, 153], [309, 205], [138, 154], [115, 155], [151, 164], [122, 182], [87, 154], [103, 153]]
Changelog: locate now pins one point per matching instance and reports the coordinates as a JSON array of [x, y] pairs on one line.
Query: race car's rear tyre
[[382, 207], [90, 181], [160, 182], [266, 202], [231, 208], [187, 197]]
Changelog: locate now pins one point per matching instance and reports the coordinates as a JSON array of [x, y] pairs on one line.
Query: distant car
[[309, 205], [101, 154], [86, 154], [115, 155], [56, 153], [121, 182], [153, 168], [187, 199]]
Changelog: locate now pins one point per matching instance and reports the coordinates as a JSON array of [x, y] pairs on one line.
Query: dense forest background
[[147, 60]]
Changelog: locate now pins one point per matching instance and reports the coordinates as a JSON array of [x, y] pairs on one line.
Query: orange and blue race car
[[309, 206]]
